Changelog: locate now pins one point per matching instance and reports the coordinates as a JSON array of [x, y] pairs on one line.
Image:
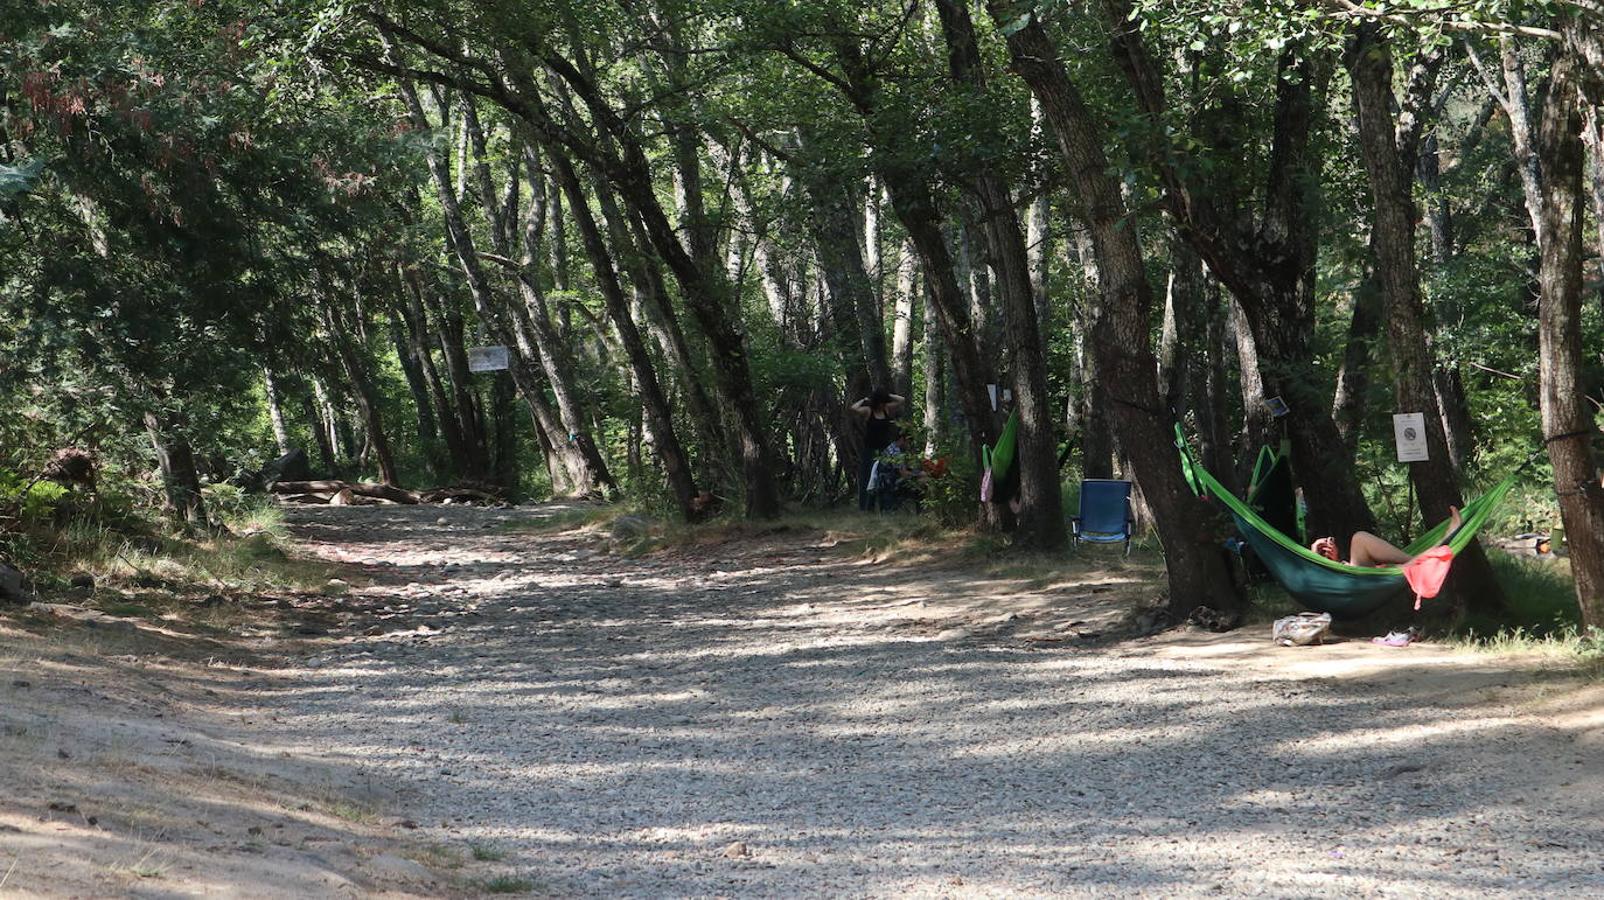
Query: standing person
[[877, 410]]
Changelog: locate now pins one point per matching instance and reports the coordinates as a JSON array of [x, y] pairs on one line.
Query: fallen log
[[311, 499], [359, 488], [460, 495]]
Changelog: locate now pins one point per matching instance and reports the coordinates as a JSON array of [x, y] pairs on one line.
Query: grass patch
[[1569, 647], [1541, 596], [507, 884], [486, 852], [348, 811], [437, 856]]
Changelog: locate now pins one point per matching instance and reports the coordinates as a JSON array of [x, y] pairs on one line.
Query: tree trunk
[[311, 411], [659, 415], [1039, 238], [1472, 581], [1197, 571], [579, 461], [1267, 263], [1594, 133], [180, 483], [409, 309], [934, 405], [1182, 327], [1513, 98], [704, 286], [1258, 423], [503, 395], [907, 305], [657, 311], [460, 419], [835, 238], [1353, 379], [275, 411], [417, 385], [532, 322], [1213, 423], [1087, 415], [873, 246], [329, 421], [366, 397], [1568, 425], [1041, 523], [705, 293]]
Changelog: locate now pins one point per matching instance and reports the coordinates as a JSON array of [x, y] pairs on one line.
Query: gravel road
[[737, 721]]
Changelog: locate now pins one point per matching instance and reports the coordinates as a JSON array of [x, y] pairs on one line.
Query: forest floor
[[502, 703]]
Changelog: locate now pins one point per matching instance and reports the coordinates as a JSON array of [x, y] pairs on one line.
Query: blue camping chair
[[1105, 513]]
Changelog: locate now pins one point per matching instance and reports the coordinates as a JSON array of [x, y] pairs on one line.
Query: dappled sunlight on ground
[[870, 728]]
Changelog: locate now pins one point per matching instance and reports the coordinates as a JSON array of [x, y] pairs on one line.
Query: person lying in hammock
[[1368, 550]]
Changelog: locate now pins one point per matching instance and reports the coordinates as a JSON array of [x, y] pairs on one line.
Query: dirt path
[[774, 716]]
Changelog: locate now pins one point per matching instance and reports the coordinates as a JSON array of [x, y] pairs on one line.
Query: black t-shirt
[[877, 433]]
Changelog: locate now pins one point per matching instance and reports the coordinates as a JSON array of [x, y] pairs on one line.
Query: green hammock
[[1002, 455], [1325, 585]]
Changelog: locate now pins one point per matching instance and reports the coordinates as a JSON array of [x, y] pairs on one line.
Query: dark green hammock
[[1325, 585]]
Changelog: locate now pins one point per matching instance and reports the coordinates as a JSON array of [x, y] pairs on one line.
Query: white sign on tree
[[487, 359], [1409, 432]]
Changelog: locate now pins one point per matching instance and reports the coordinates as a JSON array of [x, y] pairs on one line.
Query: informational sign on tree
[[1409, 432], [487, 359]]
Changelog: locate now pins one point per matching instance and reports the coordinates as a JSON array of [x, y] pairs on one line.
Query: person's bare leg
[[1368, 550]]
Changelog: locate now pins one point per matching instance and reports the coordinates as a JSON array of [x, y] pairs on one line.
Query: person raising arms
[[877, 410]]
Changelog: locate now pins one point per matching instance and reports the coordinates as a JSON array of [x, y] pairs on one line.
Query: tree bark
[[1041, 523], [659, 416], [907, 306], [1472, 581], [275, 411], [1353, 378], [658, 313], [417, 385], [180, 482], [362, 389], [703, 287], [460, 406], [311, 411], [835, 237], [934, 372], [1568, 426], [583, 477], [1123, 347], [1594, 134], [1091, 419], [1267, 263]]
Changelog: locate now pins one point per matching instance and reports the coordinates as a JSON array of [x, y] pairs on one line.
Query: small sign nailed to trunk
[[1409, 432], [487, 359]]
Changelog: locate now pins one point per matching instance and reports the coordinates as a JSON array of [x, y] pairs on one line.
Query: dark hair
[[879, 397]]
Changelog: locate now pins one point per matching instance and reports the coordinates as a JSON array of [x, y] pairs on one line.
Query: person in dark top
[[877, 410]]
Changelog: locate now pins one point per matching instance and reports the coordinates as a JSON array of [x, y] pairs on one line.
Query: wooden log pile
[[367, 493]]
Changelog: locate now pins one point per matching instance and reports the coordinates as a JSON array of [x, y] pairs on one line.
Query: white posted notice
[[1409, 432], [487, 359]]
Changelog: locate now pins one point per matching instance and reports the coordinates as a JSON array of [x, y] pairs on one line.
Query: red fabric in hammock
[[1426, 572]]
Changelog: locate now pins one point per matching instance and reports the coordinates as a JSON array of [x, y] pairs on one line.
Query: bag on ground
[[1301, 630]]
